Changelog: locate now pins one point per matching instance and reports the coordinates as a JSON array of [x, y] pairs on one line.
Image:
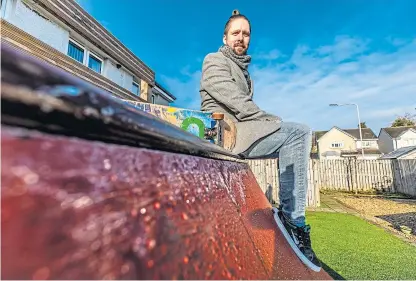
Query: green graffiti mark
[[193, 120]]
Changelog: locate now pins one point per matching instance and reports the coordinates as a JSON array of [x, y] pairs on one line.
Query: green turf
[[356, 249]]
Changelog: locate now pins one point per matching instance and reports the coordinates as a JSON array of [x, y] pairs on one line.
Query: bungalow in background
[[392, 138], [340, 143]]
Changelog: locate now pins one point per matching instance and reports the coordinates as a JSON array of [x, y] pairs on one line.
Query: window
[[135, 89], [153, 99], [84, 56], [366, 143], [76, 52], [337, 145], [409, 142], [94, 63]]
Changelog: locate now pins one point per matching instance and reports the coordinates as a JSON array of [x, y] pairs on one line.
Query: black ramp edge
[[40, 96]]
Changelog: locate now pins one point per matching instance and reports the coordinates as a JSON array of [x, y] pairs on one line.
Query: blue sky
[[305, 54]]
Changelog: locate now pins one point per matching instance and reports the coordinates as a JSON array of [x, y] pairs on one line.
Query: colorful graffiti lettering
[[192, 121]]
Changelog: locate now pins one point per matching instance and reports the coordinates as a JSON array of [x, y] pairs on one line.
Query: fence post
[[310, 194], [314, 176], [396, 174]]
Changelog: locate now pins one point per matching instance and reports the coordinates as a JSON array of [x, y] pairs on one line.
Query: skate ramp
[[124, 196], [77, 209]]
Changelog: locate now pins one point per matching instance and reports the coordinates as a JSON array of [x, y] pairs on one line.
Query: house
[[392, 138], [407, 152], [161, 96], [339, 143], [65, 35]]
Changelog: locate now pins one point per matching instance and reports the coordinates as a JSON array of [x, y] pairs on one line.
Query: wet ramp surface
[[78, 209], [93, 189]]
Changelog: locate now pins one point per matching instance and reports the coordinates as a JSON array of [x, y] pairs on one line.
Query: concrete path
[[330, 204]]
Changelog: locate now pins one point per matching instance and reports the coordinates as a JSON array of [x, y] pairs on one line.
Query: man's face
[[238, 36]]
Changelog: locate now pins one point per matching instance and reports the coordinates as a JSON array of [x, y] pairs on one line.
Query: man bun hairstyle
[[235, 15]]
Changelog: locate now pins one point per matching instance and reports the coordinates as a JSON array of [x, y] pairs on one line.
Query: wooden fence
[[266, 172], [267, 175], [353, 175], [405, 176], [343, 175]]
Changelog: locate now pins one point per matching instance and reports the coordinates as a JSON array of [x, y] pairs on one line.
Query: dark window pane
[[94, 64], [75, 52], [136, 89]]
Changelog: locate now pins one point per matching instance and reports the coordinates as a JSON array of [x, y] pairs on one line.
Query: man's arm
[[220, 85]]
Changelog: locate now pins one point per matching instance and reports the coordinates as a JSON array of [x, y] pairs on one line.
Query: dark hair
[[235, 15]]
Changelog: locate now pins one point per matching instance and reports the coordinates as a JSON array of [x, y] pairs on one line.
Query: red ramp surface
[[94, 189], [77, 209]]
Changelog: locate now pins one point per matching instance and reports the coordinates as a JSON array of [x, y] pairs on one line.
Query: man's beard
[[243, 52]]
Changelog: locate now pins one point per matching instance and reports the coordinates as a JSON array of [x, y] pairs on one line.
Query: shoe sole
[[292, 244]]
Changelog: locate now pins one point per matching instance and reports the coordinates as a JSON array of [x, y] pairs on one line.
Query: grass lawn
[[356, 249]]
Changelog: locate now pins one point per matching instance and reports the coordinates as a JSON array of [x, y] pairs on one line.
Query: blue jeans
[[292, 144]]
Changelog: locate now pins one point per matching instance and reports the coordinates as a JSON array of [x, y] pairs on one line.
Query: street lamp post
[[359, 122]]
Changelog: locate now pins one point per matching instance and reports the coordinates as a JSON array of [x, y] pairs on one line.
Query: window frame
[[340, 143], [153, 99], [365, 144], [79, 46], [138, 87], [97, 58]]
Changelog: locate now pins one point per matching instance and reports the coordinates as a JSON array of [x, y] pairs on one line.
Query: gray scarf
[[242, 61]]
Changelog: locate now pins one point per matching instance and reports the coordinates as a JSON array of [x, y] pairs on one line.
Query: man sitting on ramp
[[226, 87]]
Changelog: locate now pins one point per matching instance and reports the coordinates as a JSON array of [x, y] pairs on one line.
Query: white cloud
[[379, 82], [300, 89], [395, 111], [345, 47]]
